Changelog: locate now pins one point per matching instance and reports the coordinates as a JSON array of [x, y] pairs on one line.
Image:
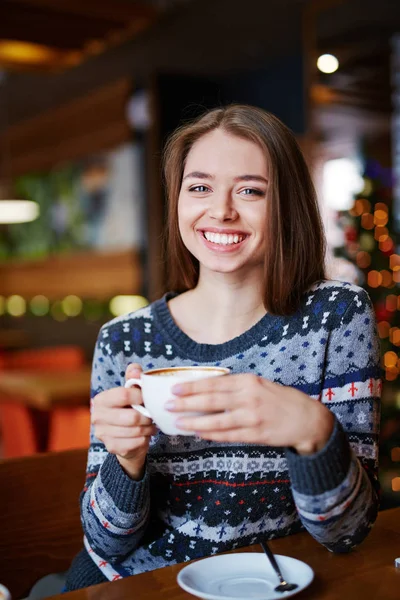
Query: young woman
[[289, 440]]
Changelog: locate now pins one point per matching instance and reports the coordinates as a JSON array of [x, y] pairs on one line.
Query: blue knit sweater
[[198, 497]]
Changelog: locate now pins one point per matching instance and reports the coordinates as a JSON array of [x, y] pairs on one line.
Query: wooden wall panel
[[85, 125], [88, 275]]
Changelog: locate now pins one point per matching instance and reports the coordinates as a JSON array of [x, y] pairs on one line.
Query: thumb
[[133, 370]]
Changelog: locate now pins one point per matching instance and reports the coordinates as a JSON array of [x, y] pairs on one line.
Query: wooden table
[[46, 390], [366, 573]]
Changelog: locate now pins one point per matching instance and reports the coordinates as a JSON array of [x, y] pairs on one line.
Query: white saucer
[[244, 575]]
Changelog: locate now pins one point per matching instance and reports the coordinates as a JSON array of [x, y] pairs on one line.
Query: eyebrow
[[201, 175], [198, 175]]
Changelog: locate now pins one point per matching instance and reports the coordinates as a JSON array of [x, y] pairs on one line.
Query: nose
[[222, 207]]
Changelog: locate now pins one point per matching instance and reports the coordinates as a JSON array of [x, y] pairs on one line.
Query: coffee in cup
[[156, 388]]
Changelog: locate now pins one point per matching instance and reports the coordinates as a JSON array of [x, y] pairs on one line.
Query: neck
[[224, 307]]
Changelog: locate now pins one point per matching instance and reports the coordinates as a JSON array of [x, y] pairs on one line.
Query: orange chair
[[18, 431], [67, 427], [57, 358]]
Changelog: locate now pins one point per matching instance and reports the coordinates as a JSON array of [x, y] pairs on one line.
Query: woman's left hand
[[249, 409]]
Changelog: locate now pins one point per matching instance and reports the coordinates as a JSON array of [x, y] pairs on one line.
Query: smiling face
[[222, 203]]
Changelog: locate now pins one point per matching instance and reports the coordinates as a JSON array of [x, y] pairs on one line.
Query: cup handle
[[130, 383]]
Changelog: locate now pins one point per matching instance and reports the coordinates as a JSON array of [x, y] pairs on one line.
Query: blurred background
[[88, 93]]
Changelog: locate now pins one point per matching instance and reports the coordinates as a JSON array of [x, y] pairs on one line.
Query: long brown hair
[[295, 242]]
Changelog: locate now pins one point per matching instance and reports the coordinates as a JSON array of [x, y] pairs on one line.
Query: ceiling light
[[13, 52], [327, 63], [18, 211]]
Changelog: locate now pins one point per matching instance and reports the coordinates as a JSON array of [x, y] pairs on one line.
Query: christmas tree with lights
[[372, 243]]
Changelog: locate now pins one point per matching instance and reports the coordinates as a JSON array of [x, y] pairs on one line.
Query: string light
[[363, 259], [16, 306], [374, 279], [39, 305], [381, 234], [391, 302], [386, 278], [391, 373], [387, 245], [383, 329], [57, 311], [367, 221], [394, 336], [72, 306], [390, 359], [380, 218]]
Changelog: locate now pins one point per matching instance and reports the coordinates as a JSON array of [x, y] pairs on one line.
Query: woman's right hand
[[124, 431]]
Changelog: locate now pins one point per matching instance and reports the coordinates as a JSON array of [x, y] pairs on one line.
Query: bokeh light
[[57, 311], [39, 305], [368, 187], [16, 306], [391, 302], [363, 259], [390, 359], [367, 242], [122, 305], [383, 329], [327, 63], [386, 278], [367, 221], [387, 245], [394, 262], [72, 306], [394, 336], [380, 218], [374, 279], [396, 484], [360, 207], [391, 373], [381, 234]]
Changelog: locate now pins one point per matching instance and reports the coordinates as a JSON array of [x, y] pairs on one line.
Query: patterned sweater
[[197, 497]]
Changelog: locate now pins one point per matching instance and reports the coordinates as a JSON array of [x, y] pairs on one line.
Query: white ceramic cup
[[4, 593], [156, 391]]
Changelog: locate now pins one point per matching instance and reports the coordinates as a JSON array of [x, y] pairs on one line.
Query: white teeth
[[223, 238]]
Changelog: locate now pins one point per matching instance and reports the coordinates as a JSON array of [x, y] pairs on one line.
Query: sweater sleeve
[[114, 508], [336, 490]]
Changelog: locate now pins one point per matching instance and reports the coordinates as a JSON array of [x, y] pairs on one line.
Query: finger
[[223, 383], [215, 401], [123, 417], [118, 398], [133, 370], [216, 422], [114, 431]]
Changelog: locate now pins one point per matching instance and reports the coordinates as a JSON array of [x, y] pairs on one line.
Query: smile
[[223, 239]]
